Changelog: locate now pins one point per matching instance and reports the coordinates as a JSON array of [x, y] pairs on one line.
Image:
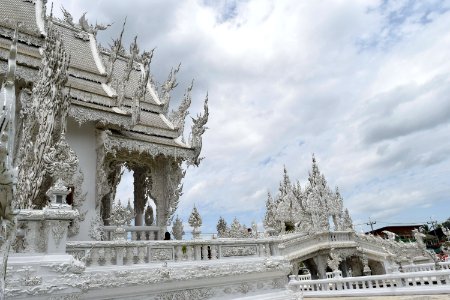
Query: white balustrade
[[426, 267], [300, 277], [136, 233], [377, 284], [125, 252], [141, 251], [333, 274]]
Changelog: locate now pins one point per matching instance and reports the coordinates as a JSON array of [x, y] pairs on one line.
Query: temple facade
[[104, 107]]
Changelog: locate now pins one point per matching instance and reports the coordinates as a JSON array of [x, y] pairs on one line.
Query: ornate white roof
[[107, 86]]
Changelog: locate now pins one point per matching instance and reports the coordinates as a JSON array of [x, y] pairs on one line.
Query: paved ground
[[410, 297]]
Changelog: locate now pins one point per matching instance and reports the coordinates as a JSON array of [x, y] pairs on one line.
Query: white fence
[[140, 250], [426, 267], [136, 233], [109, 253], [428, 282]]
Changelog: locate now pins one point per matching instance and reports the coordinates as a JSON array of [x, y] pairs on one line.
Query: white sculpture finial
[[195, 221]]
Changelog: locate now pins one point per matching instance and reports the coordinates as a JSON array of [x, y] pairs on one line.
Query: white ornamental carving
[[239, 251], [197, 130], [177, 229], [58, 231], [308, 209], [79, 197], [119, 217], [61, 161], [178, 117], [334, 260], [161, 254], [97, 229], [195, 220], [191, 294], [44, 122]]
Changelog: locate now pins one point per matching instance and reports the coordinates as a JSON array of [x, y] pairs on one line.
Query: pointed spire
[[51, 12], [314, 174], [347, 221], [269, 198], [168, 86], [116, 49], [11, 72], [285, 185], [178, 117], [134, 51]]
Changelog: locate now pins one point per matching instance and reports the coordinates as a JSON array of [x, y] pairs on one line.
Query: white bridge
[[225, 268]]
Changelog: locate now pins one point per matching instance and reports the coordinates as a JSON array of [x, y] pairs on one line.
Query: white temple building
[[75, 114]]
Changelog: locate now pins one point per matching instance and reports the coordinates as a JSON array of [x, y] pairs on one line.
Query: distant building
[[404, 232]]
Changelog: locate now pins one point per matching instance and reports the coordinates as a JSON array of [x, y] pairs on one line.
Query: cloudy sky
[[365, 85]]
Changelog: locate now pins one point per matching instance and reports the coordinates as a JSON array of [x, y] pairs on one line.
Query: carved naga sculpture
[[44, 123], [198, 128], [177, 117], [84, 24]]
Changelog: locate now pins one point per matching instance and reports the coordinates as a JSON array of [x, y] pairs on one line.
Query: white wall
[[83, 141]]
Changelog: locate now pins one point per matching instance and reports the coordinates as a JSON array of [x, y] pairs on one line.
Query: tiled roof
[[85, 77], [79, 50], [150, 139], [118, 74], [86, 85], [13, 11], [152, 119]]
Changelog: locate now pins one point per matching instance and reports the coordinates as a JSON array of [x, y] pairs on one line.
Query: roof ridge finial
[[11, 71], [51, 11], [67, 16]]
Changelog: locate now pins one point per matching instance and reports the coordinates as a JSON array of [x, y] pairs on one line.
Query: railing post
[[32, 237], [120, 251], [267, 248], [261, 250], [205, 252], [213, 252], [94, 256], [141, 255], [178, 253], [107, 256], [130, 255], [198, 252], [189, 252]]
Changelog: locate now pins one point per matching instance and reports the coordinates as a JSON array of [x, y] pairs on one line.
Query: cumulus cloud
[[362, 84], [406, 110]]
